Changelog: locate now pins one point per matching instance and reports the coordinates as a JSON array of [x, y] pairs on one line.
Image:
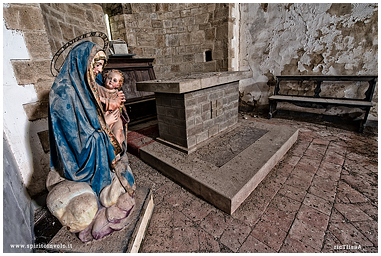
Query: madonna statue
[[91, 186]]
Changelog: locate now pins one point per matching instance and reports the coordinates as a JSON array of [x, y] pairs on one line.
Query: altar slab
[[192, 82], [128, 239], [224, 185]]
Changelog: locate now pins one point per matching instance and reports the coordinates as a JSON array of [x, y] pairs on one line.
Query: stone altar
[[192, 109], [203, 146]]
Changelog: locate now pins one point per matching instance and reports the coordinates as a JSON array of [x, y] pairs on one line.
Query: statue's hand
[[121, 96], [112, 117]]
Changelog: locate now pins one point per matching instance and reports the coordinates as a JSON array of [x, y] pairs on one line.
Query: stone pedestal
[[191, 109]]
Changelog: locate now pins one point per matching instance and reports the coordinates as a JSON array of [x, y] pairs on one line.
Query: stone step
[[141, 135], [221, 178]]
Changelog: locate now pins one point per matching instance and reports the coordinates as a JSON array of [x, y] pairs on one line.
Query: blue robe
[[81, 145]]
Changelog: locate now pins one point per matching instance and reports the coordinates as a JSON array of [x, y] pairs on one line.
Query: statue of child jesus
[[115, 113]]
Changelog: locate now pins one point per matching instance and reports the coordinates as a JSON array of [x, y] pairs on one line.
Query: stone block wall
[[191, 118], [28, 19], [182, 37], [170, 110], [65, 21]]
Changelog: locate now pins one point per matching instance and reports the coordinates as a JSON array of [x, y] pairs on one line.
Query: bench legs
[[272, 109], [362, 124]]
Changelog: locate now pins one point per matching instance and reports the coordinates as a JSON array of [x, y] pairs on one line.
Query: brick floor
[[323, 194]]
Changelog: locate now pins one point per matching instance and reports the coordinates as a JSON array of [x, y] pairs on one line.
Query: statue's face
[[98, 66], [113, 81]]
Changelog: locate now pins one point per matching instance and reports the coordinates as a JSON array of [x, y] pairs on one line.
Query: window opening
[[208, 55]]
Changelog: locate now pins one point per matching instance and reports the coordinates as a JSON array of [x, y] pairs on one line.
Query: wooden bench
[[316, 100]]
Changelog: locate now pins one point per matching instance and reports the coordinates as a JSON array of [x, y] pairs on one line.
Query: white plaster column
[[234, 42]]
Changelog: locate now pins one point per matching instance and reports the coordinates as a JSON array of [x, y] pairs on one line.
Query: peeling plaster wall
[[305, 39], [32, 33], [16, 125], [26, 85]]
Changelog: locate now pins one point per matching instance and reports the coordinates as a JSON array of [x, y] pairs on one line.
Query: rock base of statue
[[128, 239]]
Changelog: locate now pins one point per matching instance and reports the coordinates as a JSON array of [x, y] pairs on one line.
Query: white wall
[[234, 42], [15, 122]]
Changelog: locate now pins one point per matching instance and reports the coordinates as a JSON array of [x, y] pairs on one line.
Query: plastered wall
[[26, 83], [305, 39]]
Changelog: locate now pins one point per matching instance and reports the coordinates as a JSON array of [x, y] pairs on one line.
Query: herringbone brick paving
[[321, 197]]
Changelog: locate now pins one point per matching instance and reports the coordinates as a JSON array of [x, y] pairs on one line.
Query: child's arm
[[102, 96], [115, 103]]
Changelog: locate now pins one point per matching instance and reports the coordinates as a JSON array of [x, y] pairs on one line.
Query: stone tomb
[[203, 146]]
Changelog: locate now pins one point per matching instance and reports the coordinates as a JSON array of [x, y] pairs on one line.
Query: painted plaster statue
[[112, 99], [91, 186]]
